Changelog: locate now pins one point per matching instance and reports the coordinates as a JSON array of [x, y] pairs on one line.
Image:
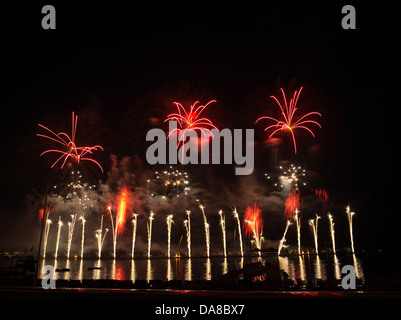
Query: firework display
[[174, 183]]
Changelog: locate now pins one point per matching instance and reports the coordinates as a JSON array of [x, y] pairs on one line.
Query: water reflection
[[208, 273], [133, 271], [301, 267]]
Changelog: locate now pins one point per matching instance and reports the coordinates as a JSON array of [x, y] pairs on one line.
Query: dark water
[[297, 267]]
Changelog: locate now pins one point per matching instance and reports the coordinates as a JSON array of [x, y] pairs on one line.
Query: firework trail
[[149, 229], [207, 233], [187, 224], [100, 237], [134, 226], [47, 229], [297, 219], [67, 147], [254, 223], [169, 221], [223, 230], [314, 225], [83, 235], [236, 216], [282, 241], [350, 215], [332, 232], [60, 224], [288, 119], [71, 226]]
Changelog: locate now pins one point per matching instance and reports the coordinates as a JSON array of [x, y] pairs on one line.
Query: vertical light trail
[[236, 216], [223, 230], [60, 224], [169, 221], [149, 229]]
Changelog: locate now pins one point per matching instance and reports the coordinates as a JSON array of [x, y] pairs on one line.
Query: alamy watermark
[[48, 281], [189, 147]]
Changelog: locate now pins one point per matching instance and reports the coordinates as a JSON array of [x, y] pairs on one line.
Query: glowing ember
[[289, 120]]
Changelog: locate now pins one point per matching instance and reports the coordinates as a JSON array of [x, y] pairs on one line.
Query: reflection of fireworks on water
[[236, 216], [67, 147], [223, 230], [314, 225], [169, 221], [289, 120], [169, 183], [288, 177], [253, 223], [187, 224]]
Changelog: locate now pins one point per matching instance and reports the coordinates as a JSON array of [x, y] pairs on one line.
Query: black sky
[[107, 57]]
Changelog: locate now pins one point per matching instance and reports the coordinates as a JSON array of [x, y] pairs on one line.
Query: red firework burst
[[67, 146], [253, 221], [289, 119], [323, 196], [291, 203], [190, 119]]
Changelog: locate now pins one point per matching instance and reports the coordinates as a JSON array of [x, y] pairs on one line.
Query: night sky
[[120, 67]]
